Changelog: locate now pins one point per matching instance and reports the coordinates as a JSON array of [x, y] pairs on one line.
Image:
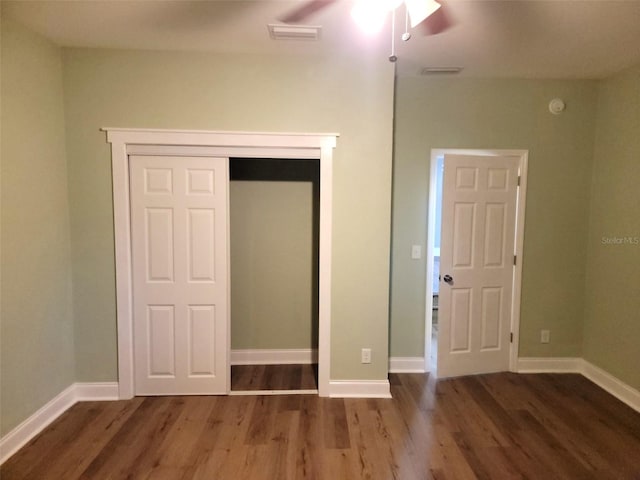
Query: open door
[[477, 263], [180, 274]]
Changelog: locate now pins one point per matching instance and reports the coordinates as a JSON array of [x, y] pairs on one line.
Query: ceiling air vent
[[440, 70], [294, 32]]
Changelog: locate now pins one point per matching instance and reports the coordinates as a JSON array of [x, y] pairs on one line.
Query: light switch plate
[[366, 355], [416, 252], [544, 336]]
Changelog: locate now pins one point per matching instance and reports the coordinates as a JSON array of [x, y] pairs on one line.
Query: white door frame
[[519, 245], [125, 142]]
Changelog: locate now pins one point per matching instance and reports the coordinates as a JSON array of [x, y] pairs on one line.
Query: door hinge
[[518, 180], [511, 337], [515, 259]]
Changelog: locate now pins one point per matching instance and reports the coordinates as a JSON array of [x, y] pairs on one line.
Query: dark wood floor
[[499, 426], [274, 377]]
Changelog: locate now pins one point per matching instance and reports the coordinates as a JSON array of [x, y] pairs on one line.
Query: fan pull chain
[[406, 35], [393, 58]]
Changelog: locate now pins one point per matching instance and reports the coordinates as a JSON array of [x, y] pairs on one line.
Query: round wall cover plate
[[557, 106]]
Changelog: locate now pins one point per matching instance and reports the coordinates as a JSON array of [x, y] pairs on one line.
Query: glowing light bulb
[[370, 15]]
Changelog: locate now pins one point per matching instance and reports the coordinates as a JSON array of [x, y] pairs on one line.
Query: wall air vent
[[440, 70], [294, 32]]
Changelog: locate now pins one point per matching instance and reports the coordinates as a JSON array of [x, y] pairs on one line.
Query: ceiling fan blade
[[420, 10], [438, 22], [305, 10]]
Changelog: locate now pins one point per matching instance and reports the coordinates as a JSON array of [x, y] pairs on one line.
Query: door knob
[[448, 279]]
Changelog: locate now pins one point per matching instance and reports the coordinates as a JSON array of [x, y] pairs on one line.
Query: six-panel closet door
[[180, 274]]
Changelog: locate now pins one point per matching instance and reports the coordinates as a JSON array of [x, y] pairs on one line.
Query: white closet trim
[[125, 142]]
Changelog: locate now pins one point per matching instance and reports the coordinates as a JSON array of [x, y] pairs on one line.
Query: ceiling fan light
[[370, 15], [419, 10]]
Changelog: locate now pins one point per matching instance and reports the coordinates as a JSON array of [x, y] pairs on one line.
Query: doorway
[[274, 242], [481, 334], [432, 357]]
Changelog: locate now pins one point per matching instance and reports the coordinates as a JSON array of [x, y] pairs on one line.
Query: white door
[[180, 274], [476, 263]]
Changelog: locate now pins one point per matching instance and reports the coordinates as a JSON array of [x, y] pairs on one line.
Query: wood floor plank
[[247, 377], [90, 441], [399, 451], [498, 426], [369, 464], [484, 460], [229, 453], [555, 423], [309, 445], [206, 441], [35, 459], [274, 377], [610, 446], [545, 447], [336, 428], [458, 405], [615, 413], [139, 436], [284, 436], [337, 463], [423, 449], [178, 448], [261, 420], [309, 377]]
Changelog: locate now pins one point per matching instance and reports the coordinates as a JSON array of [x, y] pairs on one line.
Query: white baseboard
[[97, 391], [274, 357], [32, 426], [549, 365], [20, 435], [406, 365], [359, 389], [623, 392], [611, 384]]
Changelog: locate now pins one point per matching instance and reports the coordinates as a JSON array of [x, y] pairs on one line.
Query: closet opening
[[274, 220]]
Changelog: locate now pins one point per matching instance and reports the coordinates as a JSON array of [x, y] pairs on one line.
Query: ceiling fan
[[430, 16]]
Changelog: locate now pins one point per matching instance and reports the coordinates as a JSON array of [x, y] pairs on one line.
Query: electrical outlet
[[416, 252], [544, 336], [366, 355]]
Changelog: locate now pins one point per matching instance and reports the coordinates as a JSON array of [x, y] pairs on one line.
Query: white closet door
[[180, 274]]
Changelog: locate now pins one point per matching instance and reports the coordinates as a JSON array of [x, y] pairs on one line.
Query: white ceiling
[[490, 38]]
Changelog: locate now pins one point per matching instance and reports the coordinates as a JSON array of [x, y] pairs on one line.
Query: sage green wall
[[271, 265], [499, 114], [612, 303], [179, 90], [37, 360]]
